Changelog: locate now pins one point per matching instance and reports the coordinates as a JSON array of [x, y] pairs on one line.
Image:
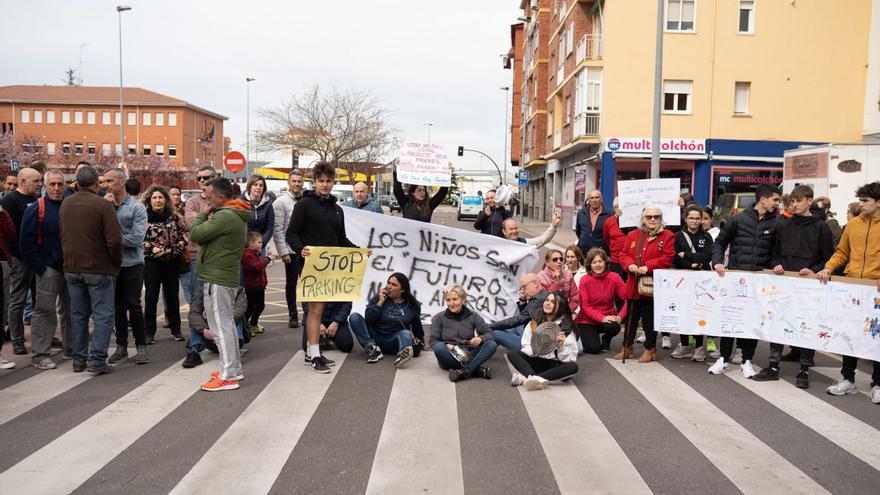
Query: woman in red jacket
[[647, 249], [598, 291]]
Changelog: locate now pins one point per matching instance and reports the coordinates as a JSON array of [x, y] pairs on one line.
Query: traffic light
[[461, 151]]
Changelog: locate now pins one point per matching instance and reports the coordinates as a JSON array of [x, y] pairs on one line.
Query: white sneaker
[[747, 370], [580, 347], [719, 367], [517, 379], [533, 383], [844, 387], [875, 394], [667, 343], [699, 354], [737, 356], [681, 352], [641, 338], [6, 364]]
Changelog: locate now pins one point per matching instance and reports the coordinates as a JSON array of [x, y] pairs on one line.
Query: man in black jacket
[[751, 236], [491, 219], [803, 244], [508, 332]]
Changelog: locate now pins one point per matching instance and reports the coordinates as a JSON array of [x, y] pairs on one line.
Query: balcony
[[589, 48], [586, 124]]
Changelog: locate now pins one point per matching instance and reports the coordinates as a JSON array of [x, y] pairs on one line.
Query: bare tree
[[338, 126]]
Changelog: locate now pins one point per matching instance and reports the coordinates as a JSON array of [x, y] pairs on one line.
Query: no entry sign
[[234, 161]]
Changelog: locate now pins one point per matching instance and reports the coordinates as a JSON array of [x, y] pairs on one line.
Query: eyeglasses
[[653, 217], [203, 177], [556, 258], [523, 286]]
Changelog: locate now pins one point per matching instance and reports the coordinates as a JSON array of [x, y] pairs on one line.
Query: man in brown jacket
[[91, 241]]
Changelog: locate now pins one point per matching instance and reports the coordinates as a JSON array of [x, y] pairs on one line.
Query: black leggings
[[748, 347], [256, 303], [548, 369], [685, 340], [641, 309], [591, 340]]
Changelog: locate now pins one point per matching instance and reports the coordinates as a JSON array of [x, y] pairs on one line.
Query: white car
[[469, 206]]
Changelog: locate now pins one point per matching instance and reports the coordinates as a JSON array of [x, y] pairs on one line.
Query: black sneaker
[[56, 343], [293, 322], [192, 360], [319, 365], [120, 354], [79, 366], [403, 357], [457, 375], [417, 346], [151, 340], [374, 354], [803, 380], [327, 361], [766, 375], [19, 349], [483, 372], [178, 337], [100, 368]]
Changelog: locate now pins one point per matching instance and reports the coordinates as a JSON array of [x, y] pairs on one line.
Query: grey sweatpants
[[219, 301], [51, 288]]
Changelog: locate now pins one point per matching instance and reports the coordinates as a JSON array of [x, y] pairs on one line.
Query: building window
[[132, 118], [117, 118], [172, 119], [65, 116], [741, 98], [677, 96], [50, 116], [117, 148], [567, 110], [105, 118], [160, 118], [78, 148], [77, 117], [160, 150], [146, 150], [90, 118], [90, 148], [132, 149], [25, 147], [147, 118], [746, 16], [105, 149], [172, 150], [25, 117], [50, 148], [569, 40], [38, 116], [65, 148], [680, 15]]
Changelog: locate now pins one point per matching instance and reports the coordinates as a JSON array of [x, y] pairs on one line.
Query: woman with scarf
[[555, 277], [646, 249], [459, 326], [164, 244], [262, 214]]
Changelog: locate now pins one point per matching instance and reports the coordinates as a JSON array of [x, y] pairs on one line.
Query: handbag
[[645, 282], [183, 262]]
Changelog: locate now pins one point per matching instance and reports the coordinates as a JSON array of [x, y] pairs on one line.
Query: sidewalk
[[564, 234]]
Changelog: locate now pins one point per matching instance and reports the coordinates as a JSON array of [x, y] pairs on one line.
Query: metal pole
[[658, 94], [247, 169], [119, 10], [506, 90]]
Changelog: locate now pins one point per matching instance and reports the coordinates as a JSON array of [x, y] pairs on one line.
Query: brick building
[[64, 124]]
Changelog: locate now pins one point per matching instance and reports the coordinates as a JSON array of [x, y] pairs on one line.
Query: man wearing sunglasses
[[191, 210]]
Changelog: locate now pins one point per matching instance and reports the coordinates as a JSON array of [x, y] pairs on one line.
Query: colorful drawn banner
[[424, 164], [635, 195], [332, 274], [435, 256], [838, 317]]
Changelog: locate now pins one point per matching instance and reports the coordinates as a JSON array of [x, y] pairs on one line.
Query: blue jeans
[[91, 296], [188, 282], [479, 355], [389, 344], [29, 306], [197, 342], [510, 338]]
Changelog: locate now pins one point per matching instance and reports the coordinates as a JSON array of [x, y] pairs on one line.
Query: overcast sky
[[428, 61]]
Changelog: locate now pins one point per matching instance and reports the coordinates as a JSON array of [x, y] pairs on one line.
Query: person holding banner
[[859, 250], [536, 371], [459, 326], [693, 251], [599, 290], [649, 248], [415, 204], [317, 221]]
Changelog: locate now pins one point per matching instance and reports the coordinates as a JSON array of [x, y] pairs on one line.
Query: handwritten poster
[[838, 317], [332, 274], [424, 164], [434, 256], [635, 195]]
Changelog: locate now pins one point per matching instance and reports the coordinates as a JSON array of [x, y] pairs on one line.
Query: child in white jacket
[[536, 372]]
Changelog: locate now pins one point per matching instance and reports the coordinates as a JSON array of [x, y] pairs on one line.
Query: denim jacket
[[132, 216]]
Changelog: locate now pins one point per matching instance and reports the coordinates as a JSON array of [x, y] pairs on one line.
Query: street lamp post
[[429, 125], [658, 89], [506, 90], [247, 138], [119, 10]]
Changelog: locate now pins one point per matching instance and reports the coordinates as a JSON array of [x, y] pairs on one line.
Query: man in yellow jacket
[[859, 250]]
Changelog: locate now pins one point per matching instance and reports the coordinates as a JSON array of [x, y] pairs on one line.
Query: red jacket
[[657, 253], [254, 269], [598, 293], [614, 238]]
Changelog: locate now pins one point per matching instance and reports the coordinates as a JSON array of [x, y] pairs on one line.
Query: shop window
[[677, 96], [25, 117], [741, 98], [746, 17], [50, 116], [172, 150], [680, 15]]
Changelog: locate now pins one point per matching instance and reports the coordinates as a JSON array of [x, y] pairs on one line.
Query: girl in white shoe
[[534, 371]]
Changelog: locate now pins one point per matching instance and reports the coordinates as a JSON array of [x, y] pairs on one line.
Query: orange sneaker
[[216, 385], [239, 377]]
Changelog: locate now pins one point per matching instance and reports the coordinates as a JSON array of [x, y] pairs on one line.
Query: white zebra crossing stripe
[[85, 449], [419, 449], [863, 380], [851, 434], [583, 455], [747, 461], [255, 447]]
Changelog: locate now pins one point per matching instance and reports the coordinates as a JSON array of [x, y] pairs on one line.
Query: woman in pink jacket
[[555, 277], [598, 290]]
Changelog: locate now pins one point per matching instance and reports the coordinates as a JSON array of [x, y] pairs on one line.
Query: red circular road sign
[[234, 161]]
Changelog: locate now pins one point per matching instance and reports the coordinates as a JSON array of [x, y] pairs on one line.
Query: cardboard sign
[[332, 274], [635, 195], [423, 164]]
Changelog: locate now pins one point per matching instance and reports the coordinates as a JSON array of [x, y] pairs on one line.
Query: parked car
[[469, 207], [728, 205], [393, 205]]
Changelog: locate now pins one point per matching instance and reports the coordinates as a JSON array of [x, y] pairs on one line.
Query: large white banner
[[423, 163], [635, 195], [435, 256], [839, 317]]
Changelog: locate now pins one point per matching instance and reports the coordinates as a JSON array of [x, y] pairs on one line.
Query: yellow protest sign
[[332, 274]]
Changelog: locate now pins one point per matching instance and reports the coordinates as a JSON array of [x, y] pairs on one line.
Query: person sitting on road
[[598, 292], [510, 231], [201, 337], [334, 327], [556, 277], [508, 332], [457, 325], [391, 323], [536, 371], [491, 219], [574, 261]]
